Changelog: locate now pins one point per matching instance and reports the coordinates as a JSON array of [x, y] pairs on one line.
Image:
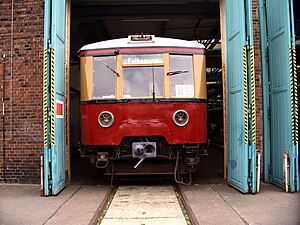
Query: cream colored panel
[[119, 87], [166, 77], [86, 78], [199, 64]]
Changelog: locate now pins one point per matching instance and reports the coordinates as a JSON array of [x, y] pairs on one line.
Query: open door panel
[[240, 96], [54, 97]]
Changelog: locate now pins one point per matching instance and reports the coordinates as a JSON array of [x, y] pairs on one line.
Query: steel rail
[[186, 209], [99, 215]]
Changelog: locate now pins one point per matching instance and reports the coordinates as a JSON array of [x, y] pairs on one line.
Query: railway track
[[145, 205]]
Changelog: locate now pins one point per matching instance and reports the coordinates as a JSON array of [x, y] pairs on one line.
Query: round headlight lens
[[180, 118], [106, 119]]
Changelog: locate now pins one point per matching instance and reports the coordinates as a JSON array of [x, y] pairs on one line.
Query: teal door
[[278, 41], [54, 97], [240, 96]]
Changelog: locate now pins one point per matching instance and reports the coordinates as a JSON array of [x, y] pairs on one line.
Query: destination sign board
[[142, 59]]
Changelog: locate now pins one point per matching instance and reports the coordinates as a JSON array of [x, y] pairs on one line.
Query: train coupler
[[192, 163], [102, 160], [143, 150]]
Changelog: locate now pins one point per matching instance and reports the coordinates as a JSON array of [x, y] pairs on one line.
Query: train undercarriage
[[146, 156]]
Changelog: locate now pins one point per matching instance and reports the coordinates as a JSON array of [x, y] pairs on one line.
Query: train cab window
[[104, 79], [142, 81], [181, 76]]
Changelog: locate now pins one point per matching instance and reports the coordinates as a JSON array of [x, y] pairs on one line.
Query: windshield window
[[140, 82], [104, 80], [181, 76]]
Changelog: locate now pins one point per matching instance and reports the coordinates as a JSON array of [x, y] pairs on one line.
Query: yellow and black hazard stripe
[[245, 67], [45, 100], [253, 103], [295, 93], [52, 84], [292, 92]]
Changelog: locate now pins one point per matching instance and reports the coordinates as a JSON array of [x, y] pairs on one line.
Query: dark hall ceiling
[[98, 20], [94, 21]]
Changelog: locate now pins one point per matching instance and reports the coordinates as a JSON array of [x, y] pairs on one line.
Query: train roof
[[136, 41]]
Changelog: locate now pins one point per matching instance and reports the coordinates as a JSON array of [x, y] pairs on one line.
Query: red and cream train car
[[143, 105]]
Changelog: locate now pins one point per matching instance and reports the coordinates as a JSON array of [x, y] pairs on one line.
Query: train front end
[[143, 105]]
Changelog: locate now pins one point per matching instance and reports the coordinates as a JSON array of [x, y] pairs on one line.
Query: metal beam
[[133, 2], [190, 10]]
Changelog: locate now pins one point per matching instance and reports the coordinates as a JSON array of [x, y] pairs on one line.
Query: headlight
[[106, 119], [180, 118]]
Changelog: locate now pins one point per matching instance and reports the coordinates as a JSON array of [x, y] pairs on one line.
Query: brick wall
[[258, 82], [258, 77], [23, 89]]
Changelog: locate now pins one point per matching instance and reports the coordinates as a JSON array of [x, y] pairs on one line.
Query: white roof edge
[[155, 42]]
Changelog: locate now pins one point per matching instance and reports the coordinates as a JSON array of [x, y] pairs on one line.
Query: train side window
[[181, 76], [104, 79], [142, 81]]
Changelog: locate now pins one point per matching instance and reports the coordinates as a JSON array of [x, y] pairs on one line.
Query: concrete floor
[[76, 205], [214, 203], [210, 198], [220, 204]]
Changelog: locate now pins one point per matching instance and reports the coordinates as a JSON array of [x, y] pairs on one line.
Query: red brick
[[23, 102]]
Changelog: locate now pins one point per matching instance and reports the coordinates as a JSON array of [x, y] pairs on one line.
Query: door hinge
[[267, 53], [269, 112], [265, 2], [249, 152], [250, 180], [293, 40], [269, 172], [49, 183], [48, 45], [248, 42]]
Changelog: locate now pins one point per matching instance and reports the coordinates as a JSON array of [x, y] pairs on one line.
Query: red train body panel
[[144, 119]]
